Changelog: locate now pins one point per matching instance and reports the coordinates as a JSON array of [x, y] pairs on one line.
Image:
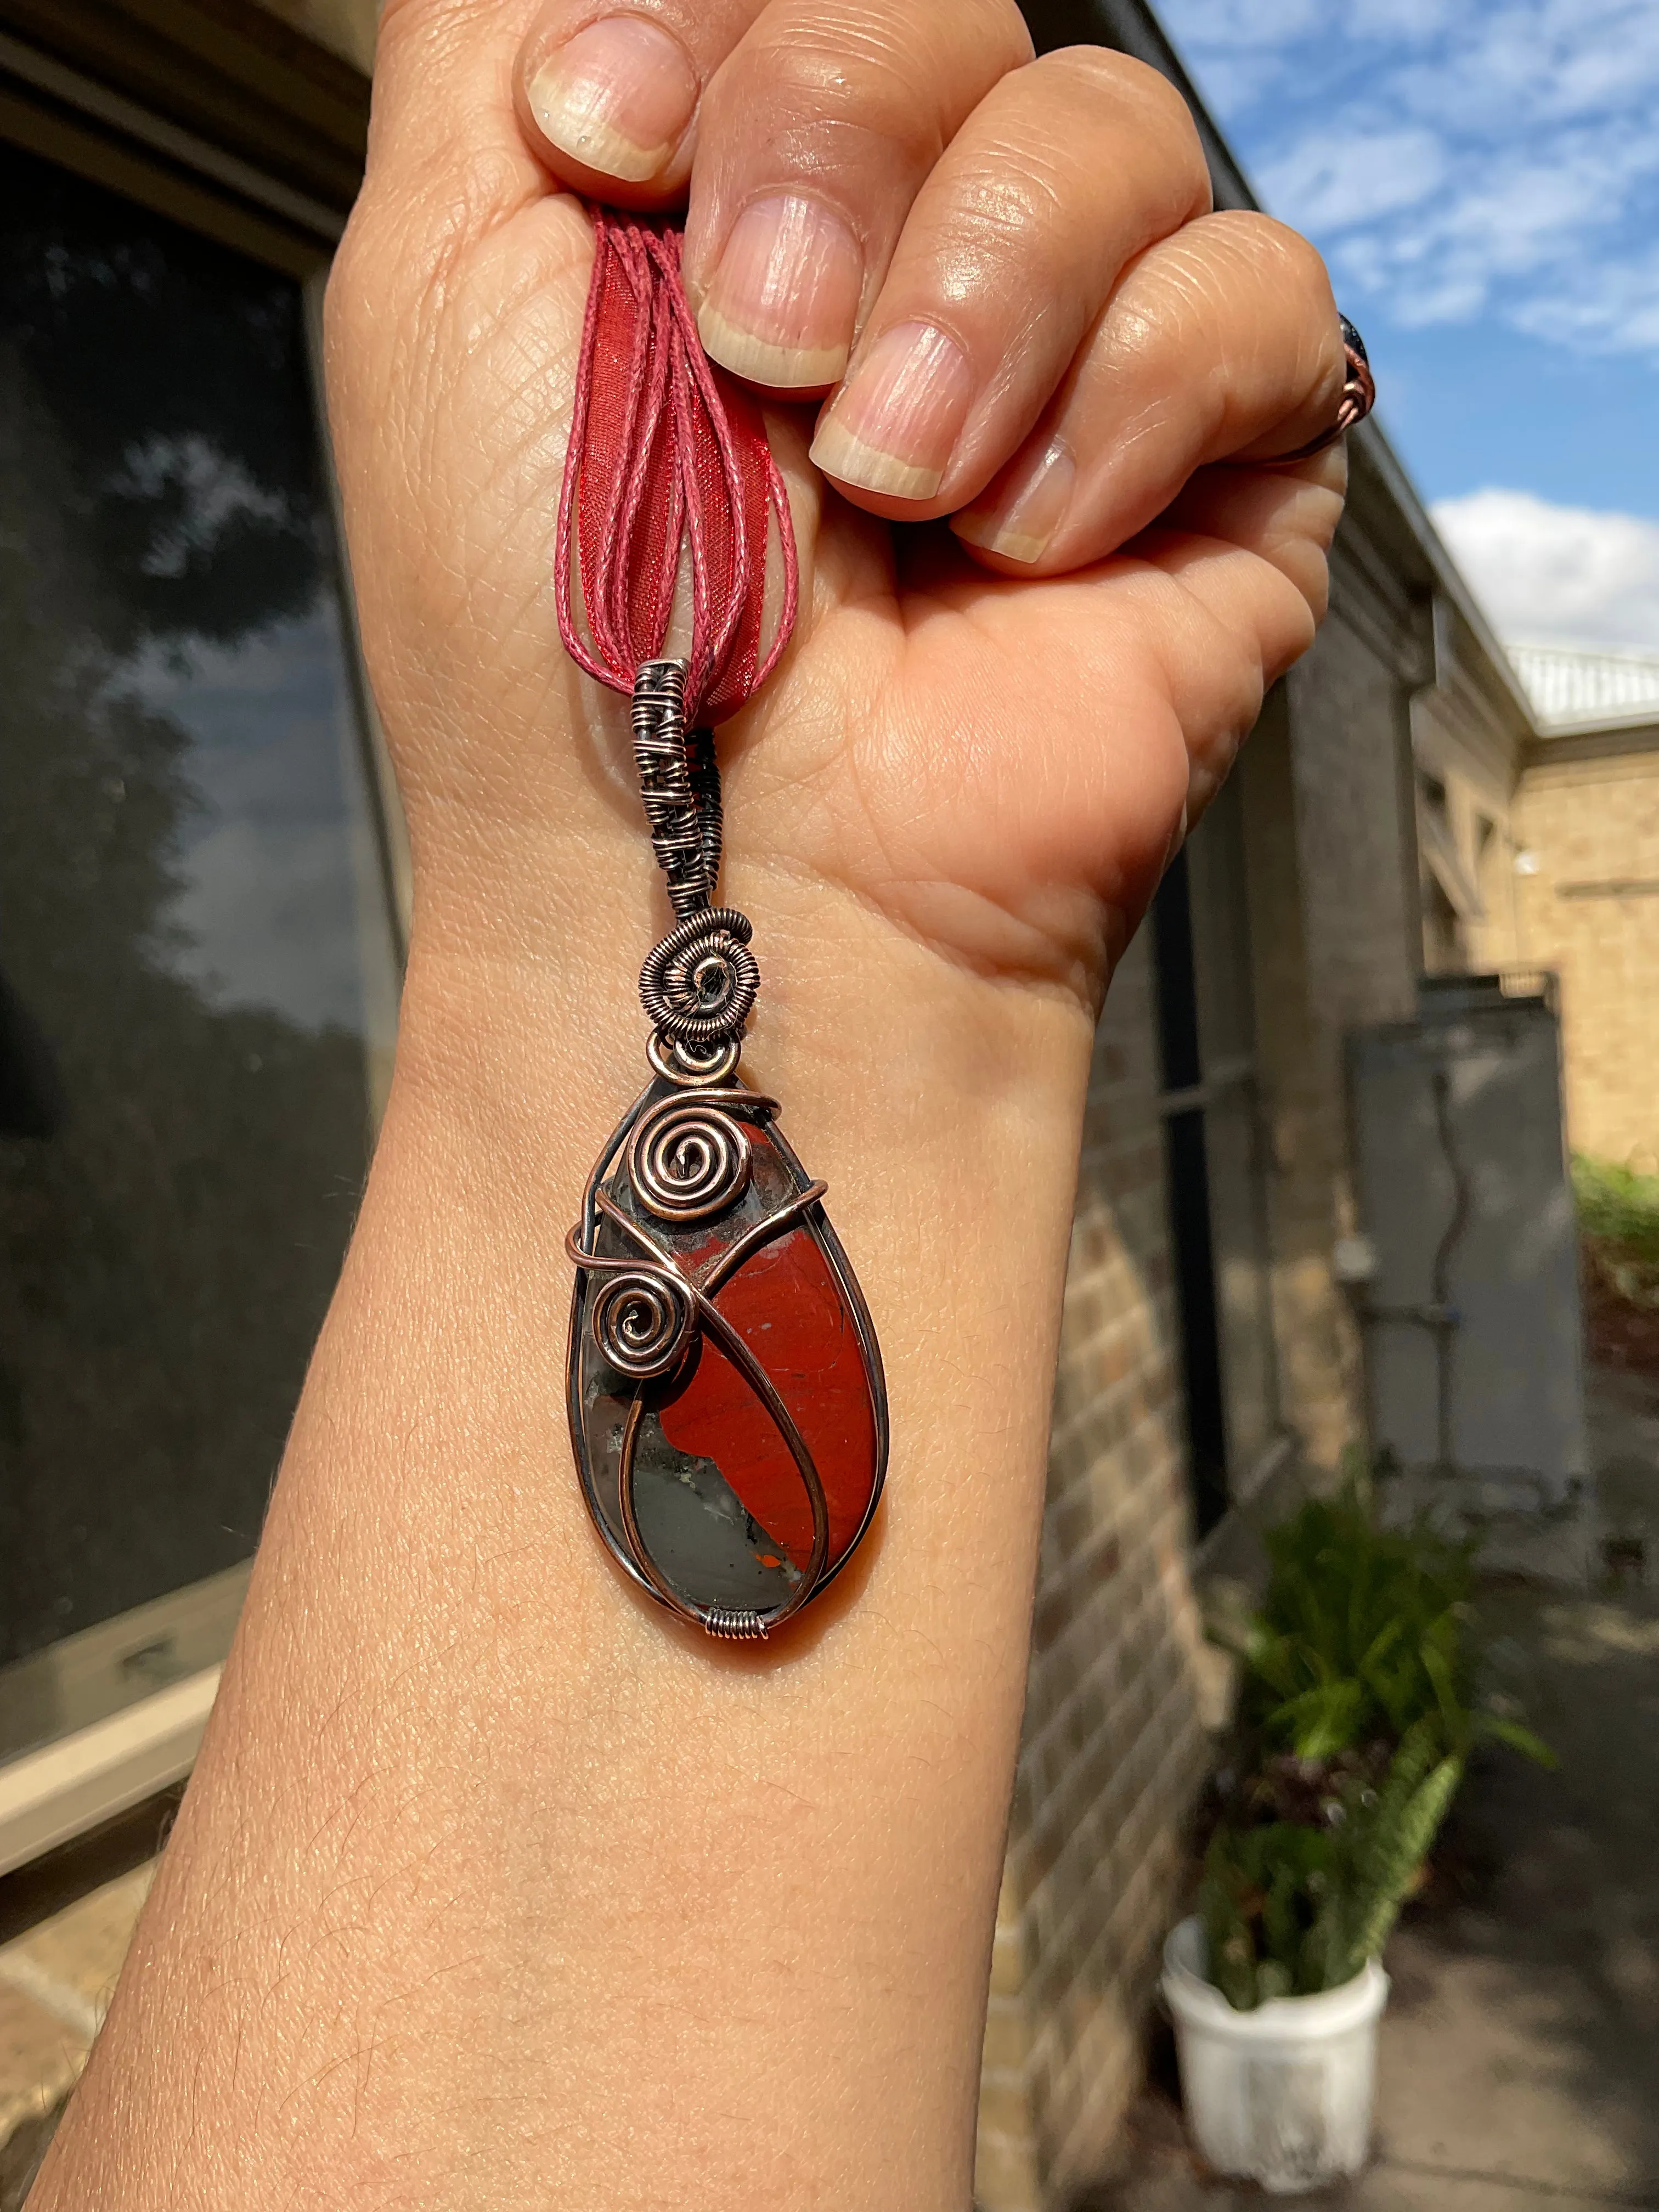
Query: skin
[[491, 1888]]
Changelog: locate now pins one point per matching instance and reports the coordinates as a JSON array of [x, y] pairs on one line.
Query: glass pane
[[1243, 1313], [196, 966], [1234, 1153], [1221, 933], [1197, 1305]]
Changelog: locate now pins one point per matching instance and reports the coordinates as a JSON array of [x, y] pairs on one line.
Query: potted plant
[[1360, 1700]]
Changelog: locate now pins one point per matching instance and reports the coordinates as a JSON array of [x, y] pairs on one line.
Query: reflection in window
[[195, 958]]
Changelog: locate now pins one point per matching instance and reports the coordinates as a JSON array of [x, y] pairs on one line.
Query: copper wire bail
[[698, 983], [680, 785]]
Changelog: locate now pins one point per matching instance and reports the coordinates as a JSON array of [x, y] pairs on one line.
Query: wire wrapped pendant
[[727, 1400], [728, 1408]]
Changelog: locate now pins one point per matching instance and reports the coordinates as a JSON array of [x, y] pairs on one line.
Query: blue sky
[[1483, 178]]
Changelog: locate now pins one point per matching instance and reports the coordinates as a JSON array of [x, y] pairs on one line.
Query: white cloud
[[1514, 231], [1557, 575], [1455, 159], [1605, 310], [1338, 179]]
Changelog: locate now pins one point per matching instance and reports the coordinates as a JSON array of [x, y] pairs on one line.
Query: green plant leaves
[[1360, 1703], [1322, 1721], [1619, 1206], [1517, 1736], [1359, 1634], [1394, 1842], [1290, 1909]]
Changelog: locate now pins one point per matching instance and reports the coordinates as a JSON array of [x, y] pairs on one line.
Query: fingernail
[[780, 306], [893, 425], [617, 97], [1021, 526]]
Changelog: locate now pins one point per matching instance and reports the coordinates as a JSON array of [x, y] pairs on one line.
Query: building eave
[[1561, 747]]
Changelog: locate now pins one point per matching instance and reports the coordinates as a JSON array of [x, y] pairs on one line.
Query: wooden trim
[[28, 123], [67, 1787], [44, 127], [71, 91], [227, 72]]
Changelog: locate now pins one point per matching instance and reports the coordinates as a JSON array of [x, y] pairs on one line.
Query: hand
[[1006, 274]]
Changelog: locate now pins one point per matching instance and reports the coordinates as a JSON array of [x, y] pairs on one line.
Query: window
[[197, 960], [1214, 1161]]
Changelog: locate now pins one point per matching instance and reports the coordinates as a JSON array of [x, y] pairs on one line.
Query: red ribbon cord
[[665, 453]]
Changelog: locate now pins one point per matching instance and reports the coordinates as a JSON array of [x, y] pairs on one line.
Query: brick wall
[[1318, 1351], [1326, 795], [1591, 910], [1114, 1751], [1355, 859]]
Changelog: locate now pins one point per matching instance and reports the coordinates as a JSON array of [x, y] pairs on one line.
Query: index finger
[[609, 101]]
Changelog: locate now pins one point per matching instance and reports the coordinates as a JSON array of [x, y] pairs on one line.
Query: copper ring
[[1359, 398], [684, 1065]]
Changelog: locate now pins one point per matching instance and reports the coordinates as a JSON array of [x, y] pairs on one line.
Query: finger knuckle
[[345, 296], [1107, 91], [840, 69], [1005, 32], [415, 18], [1120, 82], [884, 70], [1004, 213], [388, 274], [1288, 259]]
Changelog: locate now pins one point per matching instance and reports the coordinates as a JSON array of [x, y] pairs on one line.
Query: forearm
[[493, 1887]]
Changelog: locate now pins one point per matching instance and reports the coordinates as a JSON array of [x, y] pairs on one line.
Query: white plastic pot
[[1281, 2095]]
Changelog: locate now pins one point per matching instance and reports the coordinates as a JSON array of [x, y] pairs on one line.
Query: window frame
[[97, 130], [1223, 1475]]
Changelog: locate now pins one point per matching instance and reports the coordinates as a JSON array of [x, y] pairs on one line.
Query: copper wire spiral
[[692, 1068], [1358, 383], [683, 1157], [1358, 397], [698, 985], [643, 1321], [688, 1159]]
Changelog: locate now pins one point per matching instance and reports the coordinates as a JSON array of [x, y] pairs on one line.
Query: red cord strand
[[666, 456]]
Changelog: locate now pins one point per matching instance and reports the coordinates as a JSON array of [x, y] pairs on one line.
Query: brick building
[[1373, 829], [1585, 823]]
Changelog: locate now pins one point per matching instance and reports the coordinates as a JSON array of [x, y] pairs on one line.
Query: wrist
[[522, 1028]]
